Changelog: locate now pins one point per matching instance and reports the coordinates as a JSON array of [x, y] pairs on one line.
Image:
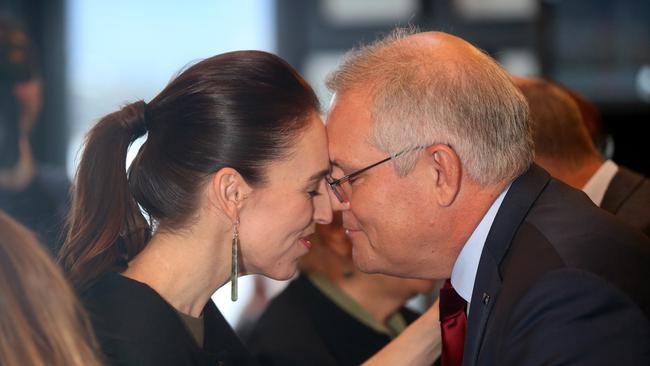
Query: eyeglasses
[[335, 185]]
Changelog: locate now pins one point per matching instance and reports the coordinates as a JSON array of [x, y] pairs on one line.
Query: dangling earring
[[233, 269]]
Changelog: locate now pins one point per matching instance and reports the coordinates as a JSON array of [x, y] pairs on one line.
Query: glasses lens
[[338, 191], [336, 188]]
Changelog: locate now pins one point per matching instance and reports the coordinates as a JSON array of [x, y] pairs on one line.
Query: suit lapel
[[518, 201], [624, 183]]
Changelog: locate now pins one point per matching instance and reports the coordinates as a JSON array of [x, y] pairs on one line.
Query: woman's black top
[[136, 326]]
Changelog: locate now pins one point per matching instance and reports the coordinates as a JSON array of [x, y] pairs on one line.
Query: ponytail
[[105, 227]]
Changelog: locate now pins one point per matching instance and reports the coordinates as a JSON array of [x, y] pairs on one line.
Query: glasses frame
[[335, 185]]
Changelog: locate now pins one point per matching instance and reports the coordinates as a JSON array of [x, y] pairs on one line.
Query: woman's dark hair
[[241, 109]]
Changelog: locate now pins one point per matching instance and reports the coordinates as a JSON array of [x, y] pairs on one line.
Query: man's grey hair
[[419, 99]]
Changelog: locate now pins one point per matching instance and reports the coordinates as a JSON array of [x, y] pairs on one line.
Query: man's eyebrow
[[340, 165]]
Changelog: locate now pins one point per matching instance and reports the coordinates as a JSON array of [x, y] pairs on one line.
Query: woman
[[230, 180], [333, 314], [41, 322], [230, 177]]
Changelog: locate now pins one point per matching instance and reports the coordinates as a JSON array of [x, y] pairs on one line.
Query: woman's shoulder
[[115, 292], [121, 306], [135, 325]]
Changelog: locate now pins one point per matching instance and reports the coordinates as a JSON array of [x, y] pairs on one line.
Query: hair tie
[[135, 118]]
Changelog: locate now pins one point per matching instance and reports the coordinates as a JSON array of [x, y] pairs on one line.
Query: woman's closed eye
[[316, 190]]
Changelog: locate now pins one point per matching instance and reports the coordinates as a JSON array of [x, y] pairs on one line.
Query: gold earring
[[233, 269]]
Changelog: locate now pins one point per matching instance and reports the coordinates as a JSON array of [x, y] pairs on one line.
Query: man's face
[[388, 218]]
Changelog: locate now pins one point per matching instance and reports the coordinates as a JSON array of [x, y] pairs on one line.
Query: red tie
[[453, 324]]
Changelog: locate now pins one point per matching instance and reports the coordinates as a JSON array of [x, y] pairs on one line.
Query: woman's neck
[[184, 268]]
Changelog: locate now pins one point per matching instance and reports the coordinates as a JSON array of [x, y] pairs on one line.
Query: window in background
[[599, 48], [318, 65], [121, 51]]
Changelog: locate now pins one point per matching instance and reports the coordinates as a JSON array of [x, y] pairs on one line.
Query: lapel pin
[[486, 298]]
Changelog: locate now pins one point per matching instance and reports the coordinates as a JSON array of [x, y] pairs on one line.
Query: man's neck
[[576, 177]]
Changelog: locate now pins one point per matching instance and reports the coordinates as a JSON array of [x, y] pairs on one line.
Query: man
[[564, 148], [432, 170]]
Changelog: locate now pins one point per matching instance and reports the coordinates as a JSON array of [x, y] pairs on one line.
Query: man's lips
[[349, 231]]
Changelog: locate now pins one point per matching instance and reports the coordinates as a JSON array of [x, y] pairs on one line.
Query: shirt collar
[[464, 271], [598, 183]]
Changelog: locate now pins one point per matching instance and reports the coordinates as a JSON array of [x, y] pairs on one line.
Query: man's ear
[[446, 169], [229, 190]]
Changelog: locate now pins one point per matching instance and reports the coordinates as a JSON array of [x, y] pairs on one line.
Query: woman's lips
[[305, 241]]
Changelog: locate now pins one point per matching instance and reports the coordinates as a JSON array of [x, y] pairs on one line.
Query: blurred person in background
[[564, 148], [34, 194], [593, 121], [231, 179], [41, 321], [333, 314]]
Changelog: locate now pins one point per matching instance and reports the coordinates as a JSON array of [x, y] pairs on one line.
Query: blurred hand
[[419, 344]]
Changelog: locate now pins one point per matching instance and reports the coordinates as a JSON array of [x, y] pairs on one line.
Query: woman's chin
[[283, 274]]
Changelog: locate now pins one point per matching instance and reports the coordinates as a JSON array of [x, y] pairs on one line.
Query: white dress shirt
[[463, 274], [598, 183]]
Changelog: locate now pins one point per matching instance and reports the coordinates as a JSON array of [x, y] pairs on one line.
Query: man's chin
[[362, 261]]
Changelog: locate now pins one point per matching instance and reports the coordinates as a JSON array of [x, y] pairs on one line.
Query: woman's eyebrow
[[318, 176]]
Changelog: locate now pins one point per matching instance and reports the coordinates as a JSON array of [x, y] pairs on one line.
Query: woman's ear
[[446, 170], [229, 190]]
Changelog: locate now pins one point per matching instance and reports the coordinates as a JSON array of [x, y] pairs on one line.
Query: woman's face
[[279, 217]]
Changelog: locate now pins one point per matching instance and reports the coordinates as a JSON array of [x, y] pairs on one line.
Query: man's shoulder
[[578, 230], [568, 314], [564, 230]]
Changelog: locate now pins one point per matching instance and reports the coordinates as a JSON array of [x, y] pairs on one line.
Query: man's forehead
[[348, 140], [349, 114]]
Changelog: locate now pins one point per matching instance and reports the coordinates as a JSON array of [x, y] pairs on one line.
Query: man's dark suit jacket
[[560, 282], [137, 327], [628, 197]]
